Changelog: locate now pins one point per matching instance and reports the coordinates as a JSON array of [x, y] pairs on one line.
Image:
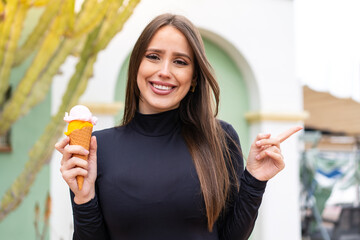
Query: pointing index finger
[[285, 135]]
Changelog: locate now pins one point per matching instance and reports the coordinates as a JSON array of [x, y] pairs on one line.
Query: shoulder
[[229, 130], [108, 135], [226, 126], [105, 132]]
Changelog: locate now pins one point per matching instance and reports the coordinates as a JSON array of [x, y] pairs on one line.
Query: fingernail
[[258, 143], [257, 157], [86, 152]]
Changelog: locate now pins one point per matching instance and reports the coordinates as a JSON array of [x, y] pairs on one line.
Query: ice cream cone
[[81, 137], [79, 130]]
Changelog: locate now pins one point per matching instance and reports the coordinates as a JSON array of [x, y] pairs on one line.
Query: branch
[[12, 109], [43, 148], [36, 37], [10, 11]]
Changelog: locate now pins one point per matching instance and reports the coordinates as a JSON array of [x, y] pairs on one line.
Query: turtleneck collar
[[156, 124]]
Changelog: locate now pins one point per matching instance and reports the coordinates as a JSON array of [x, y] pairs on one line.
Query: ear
[[193, 85], [194, 82]]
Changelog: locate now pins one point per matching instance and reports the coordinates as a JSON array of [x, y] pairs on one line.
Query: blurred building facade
[[250, 44]]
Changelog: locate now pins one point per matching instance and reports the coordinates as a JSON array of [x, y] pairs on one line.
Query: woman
[[171, 170]]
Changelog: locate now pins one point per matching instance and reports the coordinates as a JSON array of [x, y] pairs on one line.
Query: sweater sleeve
[[88, 220], [238, 218]]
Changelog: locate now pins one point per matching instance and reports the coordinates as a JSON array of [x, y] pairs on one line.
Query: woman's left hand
[[265, 159]]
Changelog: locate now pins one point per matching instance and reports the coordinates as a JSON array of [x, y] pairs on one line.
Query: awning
[[328, 113]]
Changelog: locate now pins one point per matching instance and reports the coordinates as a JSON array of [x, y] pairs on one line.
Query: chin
[[164, 108]]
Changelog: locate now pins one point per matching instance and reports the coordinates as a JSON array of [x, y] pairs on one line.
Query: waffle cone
[[81, 137]]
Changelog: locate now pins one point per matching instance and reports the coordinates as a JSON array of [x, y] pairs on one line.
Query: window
[[5, 143]]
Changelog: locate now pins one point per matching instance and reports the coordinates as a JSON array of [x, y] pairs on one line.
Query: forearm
[[240, 219], [88, 221]]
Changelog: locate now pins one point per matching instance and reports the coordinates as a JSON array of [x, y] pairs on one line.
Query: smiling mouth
[[162, 87]]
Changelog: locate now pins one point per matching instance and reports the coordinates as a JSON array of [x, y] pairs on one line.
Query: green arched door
[[234, 101]]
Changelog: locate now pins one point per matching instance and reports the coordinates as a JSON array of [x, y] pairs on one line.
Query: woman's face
[[165, 72]]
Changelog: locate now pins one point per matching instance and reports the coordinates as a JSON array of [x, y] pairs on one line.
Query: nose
[[164, 71]]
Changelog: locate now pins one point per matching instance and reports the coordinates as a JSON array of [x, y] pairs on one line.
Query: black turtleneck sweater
[[147, 187]]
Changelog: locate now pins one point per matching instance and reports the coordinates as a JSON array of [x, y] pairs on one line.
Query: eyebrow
[[178, 54]]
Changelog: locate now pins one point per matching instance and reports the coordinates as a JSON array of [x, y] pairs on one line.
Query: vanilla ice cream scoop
[[80, 113]]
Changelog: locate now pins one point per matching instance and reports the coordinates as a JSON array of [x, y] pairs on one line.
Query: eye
[[180, 62], [152, 56]]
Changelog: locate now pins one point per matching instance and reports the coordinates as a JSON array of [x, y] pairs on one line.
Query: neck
[[157, 124]]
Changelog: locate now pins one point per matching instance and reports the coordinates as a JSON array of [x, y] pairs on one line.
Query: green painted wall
[[19, 224], [234, 101], [120, 88]]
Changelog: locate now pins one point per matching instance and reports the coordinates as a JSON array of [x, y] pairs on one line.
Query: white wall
[[328, 49], [263, 32]]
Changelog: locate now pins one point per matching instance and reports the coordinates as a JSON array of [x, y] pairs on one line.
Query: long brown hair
[[205, 138]]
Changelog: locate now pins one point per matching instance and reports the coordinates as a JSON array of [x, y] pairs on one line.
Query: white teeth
[[162, 87]]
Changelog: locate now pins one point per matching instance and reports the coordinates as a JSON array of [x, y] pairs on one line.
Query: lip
[[159, 91]]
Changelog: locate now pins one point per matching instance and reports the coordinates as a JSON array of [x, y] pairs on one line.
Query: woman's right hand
[[74, 166]]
